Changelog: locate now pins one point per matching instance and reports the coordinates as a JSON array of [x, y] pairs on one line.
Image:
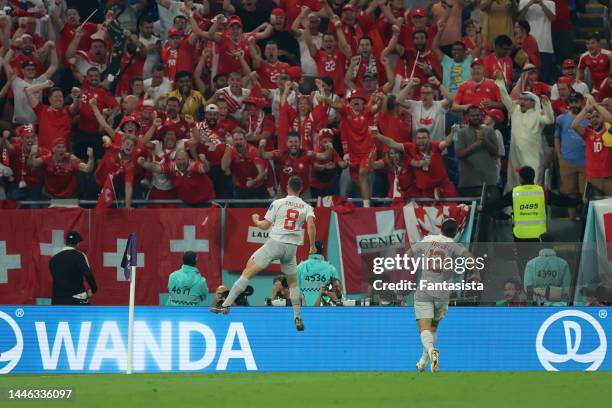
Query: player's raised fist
[[255, 218]]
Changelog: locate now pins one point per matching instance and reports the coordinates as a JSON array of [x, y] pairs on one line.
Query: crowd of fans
[[201, 99]]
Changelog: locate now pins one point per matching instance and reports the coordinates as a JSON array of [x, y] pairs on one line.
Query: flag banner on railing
[[28, 238], [242, 238], [370, 233]]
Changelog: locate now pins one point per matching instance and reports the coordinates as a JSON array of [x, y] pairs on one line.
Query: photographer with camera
[[330, 294], [312, 273], [221, 294], [280, 292]]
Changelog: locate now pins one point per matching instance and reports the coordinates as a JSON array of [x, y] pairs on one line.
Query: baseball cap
[[477, 61], [25, 130], [577, 96], [419, 12], [234, 20], [295, 73], [73, 238], [568, 63], [497, 114], [349, 6], [28, 63], [211, 107], [357, 94], [58, 141], [174, 32], [564, 80], [278, 12]]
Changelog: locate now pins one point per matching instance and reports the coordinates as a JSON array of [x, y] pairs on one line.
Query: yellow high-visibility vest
[[529, 211]]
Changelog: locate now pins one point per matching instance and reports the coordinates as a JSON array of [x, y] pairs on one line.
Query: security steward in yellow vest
[[528, 203]]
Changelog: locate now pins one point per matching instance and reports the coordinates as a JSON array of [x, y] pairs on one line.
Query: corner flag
[[129, 256]]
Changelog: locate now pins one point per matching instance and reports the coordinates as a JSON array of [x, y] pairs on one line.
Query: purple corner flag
[[129, 256]]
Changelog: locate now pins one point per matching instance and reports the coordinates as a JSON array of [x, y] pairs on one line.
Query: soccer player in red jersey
[[596, 59], [355, 118], [231, 41], [331, 58], [59, 168], [598, 153]]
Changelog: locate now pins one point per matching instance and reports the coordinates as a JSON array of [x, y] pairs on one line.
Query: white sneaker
[[421, 365], [434, 355]]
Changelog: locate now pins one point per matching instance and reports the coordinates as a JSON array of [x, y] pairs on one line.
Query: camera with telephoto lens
[[241, 300]]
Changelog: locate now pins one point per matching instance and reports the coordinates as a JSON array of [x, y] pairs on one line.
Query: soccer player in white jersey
[[431, 306], [286, 217]]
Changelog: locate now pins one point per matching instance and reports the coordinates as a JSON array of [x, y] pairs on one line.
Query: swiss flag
[[107, 195], [427, 220]]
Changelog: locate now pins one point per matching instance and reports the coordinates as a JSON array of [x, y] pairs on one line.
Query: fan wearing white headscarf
[[528, 117]]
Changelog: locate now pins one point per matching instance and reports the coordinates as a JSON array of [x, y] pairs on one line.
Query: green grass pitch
[[325, 389]]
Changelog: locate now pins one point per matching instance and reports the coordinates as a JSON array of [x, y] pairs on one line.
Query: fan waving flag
[[107, 195], [129, 256]]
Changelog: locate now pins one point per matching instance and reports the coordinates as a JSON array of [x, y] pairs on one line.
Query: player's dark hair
[[295, 184], [423, 130], [414, 34], [319, 246], [503, 40], [328, 81], [92, 69], [216, 77], [183, 74], [365, 37], [473, 108], [271, 42], [524, 24], [146, 19], [459, 43], [54, 90], [329, 33], [189, 258], [449, 228], [174, 99], [593, 36], [293, 133], [515, 282], [527, 174]]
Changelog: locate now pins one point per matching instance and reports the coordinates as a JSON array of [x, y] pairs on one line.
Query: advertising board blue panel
[[38, 339]]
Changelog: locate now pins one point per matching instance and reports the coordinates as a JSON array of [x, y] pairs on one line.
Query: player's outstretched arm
[[312, 234], [261, 224]]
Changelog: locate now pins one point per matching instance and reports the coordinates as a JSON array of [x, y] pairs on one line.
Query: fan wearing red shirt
[[418, 22], [425, 156], [355, 119], [598, 169], [269, 69], [400, 174], [173, 120], [354, 25], [89, 128], [189, 178], [96, 56], [119, 161], [605, 90], [242, 161], [59, 168], [233, 40], [564, 88], [26, 177], [394, 9], [294, 161], [324, 172], [596, 59], [331, 58], [478, 91], [364, 63], [67, 30], [499, 60], [293, 8], [529, 82], [170, 53], [419, 62], [55, 119]]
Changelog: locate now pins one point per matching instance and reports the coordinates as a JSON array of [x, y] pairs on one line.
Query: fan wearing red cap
[[270, 68], [568, 69], [356, 117], [234, 41], [418, 22], [479, 91], [179, 53], [89, 129], [60, 169], [19, 151], [258, 124]]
